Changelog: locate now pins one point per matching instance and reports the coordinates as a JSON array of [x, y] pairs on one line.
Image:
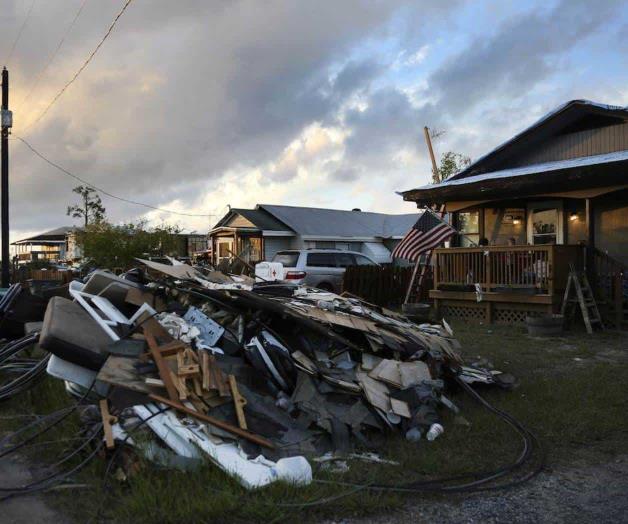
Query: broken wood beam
[[256, 439], [107, 420], [238, 401]]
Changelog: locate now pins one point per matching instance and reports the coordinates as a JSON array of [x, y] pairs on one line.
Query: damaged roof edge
[[571, 163], [554, 112]]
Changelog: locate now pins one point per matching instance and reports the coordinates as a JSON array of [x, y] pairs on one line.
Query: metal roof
[[570, 163], [48, 235], [312, 221], [578, 104]]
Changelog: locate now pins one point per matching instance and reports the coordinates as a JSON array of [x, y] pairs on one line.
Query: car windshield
[[287, 258]]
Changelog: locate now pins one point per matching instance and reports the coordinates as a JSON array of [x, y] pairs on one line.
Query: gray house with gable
[[257, 234]]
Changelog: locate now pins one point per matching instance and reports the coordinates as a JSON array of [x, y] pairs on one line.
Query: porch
[[502, 284]]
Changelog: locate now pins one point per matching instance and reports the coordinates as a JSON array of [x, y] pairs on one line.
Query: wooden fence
[[23, 274], [381, 285]]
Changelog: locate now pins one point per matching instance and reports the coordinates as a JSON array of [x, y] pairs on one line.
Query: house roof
[[491, 173], [573, 173], [565, 115], [319, 222], [54, 234], [259, 218]]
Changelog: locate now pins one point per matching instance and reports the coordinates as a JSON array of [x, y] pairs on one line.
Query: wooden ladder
[[584, 296]]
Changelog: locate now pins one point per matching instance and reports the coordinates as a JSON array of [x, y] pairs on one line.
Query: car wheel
[[325, 287]]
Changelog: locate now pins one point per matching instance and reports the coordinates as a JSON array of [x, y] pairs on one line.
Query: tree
[[116, 246], [90, 209], [450, 164]]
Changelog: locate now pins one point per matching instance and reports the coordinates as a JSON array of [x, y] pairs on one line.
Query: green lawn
[[572, 394]]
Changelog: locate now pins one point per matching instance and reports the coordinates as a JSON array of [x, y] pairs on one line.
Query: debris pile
[[253, 376]]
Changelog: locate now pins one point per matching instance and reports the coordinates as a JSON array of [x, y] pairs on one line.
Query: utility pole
[[428, 139], [6, 118]]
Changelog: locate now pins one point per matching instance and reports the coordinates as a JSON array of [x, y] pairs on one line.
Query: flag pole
[[428, 259]]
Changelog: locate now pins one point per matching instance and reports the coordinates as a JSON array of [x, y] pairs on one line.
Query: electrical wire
[[83, 66], [56, 479], [45, 480], [483, 483], [30, 370], [52, 56], [19, 33], [106, 193], [65, 413]]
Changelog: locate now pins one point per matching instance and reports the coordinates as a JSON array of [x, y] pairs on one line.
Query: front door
[[545, 222]]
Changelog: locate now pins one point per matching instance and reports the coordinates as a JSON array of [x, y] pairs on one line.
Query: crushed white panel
[[188, 440], [210, 330], [64, 370]]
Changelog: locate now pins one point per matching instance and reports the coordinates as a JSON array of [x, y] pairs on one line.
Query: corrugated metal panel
[[274, 244]]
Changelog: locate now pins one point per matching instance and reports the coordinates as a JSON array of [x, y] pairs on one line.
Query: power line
[[19, 33], [85, 64], [65, 171], [54, 54]]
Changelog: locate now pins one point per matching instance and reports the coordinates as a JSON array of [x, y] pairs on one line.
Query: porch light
[[573, 216], [516, 221]]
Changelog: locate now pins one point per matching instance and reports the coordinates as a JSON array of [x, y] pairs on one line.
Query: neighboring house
[[257, 234], [50, 245], [559, 185], [191, 244]]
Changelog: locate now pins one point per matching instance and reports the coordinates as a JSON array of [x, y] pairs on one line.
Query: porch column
[[590, 221]]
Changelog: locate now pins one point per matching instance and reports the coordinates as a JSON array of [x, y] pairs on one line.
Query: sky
[[197, 105]]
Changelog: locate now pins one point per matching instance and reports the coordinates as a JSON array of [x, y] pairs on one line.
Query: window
[[344, 259], [287, 258], [469, 226], [363, 261], [321, 259], [223, 249], [544, 226], [256, 249]]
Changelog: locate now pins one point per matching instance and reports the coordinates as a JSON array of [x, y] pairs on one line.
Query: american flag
[[428, 233]]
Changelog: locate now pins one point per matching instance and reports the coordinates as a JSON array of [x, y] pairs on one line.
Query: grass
[[571, 394]]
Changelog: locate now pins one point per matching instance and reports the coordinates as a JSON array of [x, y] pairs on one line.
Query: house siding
[[589, 142], [611, 225], [274, 244]]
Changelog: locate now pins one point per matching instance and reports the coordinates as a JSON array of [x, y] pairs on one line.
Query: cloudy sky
[[193, 105]]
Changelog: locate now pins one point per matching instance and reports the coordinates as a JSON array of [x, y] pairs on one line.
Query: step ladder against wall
[[578, 292]]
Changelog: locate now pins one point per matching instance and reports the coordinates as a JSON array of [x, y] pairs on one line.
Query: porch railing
[[533, 269]]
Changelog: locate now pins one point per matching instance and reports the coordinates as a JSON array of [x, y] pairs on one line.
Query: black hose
[[443, 485]]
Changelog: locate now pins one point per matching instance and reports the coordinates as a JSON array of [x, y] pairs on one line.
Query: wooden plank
[[218, 378], [205, 370], [179, 384], [214, 422], [188, 370], [162, 366], [238, 401], [107, 420]]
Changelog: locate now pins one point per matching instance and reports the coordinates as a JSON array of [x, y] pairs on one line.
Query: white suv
[[320, 268]]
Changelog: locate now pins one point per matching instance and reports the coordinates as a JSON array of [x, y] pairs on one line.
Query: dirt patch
[[29, 508], [589, 490]]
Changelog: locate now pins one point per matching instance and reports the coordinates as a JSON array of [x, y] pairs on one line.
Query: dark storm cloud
[[519, 55], [180, 94], [183, 92]]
